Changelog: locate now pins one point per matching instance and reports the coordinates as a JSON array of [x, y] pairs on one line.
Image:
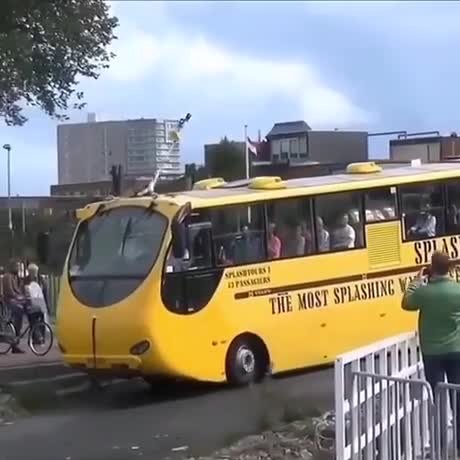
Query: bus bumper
[[123, 363]]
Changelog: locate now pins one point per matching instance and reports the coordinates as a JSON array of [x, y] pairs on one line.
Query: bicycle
[[7, 331], [39, 329]]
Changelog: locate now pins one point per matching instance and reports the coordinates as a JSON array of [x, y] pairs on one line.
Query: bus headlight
[[140, 348]]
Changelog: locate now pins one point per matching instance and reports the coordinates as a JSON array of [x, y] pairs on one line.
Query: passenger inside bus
[[294, 245], [322, 235], [354, 221], [273, 242], [246, 248], [308, 235], [425, 224], [343, 235], [453, 219]]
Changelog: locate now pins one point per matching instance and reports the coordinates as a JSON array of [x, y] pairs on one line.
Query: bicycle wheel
[[7, 336], [40, 338]]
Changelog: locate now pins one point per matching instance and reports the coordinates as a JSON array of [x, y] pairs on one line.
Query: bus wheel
[[246, 361]]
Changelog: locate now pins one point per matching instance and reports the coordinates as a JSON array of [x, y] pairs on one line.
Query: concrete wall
[[337, 146], [425, 151]]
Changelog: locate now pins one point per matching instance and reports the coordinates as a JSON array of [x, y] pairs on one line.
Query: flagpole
[[246, 150]]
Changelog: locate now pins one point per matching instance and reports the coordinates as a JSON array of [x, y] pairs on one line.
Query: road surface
[[129, 421]]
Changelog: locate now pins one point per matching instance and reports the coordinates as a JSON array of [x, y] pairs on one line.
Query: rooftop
[[288, 127]]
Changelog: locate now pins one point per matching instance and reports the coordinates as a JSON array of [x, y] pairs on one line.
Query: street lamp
[[7, 147]]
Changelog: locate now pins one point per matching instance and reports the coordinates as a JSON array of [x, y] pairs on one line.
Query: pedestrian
[[14, 299], [437, 299]]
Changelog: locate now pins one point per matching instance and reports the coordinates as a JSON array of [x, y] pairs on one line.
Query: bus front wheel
[[247, 360]]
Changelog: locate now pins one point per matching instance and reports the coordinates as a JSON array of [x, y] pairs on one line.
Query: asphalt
[[130, 420]]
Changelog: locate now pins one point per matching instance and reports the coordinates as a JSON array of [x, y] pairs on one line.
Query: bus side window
[[339, 217], [381, 204], [453, 208], [198, 251], [423, 210], [289, 229], [239, 234]]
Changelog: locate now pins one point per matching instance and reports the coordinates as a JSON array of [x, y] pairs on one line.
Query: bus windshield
[[122, 242]]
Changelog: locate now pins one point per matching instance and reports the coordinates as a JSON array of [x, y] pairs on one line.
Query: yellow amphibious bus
[[226, 281]]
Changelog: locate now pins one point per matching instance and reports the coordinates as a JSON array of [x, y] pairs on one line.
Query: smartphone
[[427, 272]]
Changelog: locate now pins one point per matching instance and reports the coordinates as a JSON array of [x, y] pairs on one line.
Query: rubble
[[310, 439], [10, 409]]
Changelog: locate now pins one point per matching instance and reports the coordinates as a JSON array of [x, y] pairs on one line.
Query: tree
[[227, 160], [45, 47]]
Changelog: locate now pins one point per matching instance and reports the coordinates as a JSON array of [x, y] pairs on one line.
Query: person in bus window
[[425, 225], [344, 235], [295, 244], [453, 219], [308, 235], [246, 248], [323, 236], [273, 242]]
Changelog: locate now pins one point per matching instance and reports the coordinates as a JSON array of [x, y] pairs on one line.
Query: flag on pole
[[252, 147]]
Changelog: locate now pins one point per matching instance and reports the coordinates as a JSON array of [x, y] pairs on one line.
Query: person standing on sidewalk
[[437, 299]]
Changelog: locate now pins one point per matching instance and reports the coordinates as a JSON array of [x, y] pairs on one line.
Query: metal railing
[[385, 409], [392, 418], [447, 421], [53, 284], [396, 357]]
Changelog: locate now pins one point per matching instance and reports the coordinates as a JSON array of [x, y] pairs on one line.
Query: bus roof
[[234, 193], [319, 185]]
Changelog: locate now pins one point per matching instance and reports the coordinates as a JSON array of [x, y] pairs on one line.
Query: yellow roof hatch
[[207, 184], [266, 183], [366, 167]]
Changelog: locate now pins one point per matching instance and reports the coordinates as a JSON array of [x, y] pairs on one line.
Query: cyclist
[[14, 299], [37, 308]]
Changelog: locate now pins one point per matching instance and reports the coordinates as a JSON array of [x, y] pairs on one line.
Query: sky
[[374, 66]]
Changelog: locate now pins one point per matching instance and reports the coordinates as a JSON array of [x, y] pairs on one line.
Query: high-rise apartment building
[[86, 151]]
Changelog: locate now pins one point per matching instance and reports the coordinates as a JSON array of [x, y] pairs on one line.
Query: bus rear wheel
[[247, 361]]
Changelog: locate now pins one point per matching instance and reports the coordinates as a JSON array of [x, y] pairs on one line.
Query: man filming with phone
[[437, 299]]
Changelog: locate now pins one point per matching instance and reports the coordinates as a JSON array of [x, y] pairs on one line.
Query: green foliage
[[227, 161], [45, 47]]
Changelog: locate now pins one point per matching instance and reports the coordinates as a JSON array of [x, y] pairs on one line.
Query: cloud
[[416, 23], [227, 76]]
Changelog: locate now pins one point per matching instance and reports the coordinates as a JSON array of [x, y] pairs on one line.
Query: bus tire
[[247, 360]]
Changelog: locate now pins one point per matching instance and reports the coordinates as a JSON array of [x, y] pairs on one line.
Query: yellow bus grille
[[383, 244]]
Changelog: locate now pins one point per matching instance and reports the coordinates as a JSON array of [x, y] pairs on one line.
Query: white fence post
[[383, 408]]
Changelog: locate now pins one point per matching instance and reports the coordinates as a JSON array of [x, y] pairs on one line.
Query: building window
[[303, 146], [284, 146], [294, 147]]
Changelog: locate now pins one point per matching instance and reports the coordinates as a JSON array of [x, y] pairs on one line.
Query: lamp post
[[7, 147]]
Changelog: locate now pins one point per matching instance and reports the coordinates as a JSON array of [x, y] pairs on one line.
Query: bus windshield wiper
[[125, 235]]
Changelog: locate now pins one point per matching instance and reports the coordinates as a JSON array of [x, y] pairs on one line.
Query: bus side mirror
[[179, 232], [43, 249], [178, 239]]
